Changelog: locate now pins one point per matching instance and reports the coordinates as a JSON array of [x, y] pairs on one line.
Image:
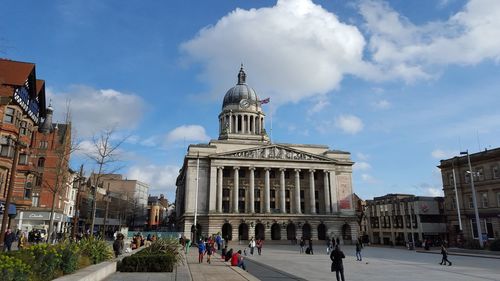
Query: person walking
[[302, 244], [444, 259], [311, 246], [118, 244], [208, 250], [22, 241], [8, 240], [201, 250], [337, 265], [358, 251], [260, 243], [251, 245]]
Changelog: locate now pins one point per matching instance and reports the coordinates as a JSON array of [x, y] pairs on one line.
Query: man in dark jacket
[[336, 256], [8, 240]]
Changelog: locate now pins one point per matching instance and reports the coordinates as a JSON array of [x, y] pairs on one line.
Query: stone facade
[[486, 172], [243, 185]]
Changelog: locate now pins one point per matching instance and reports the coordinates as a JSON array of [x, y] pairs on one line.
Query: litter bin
[[410, 246]]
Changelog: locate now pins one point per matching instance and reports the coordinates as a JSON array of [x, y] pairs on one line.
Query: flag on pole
[[264, 101]]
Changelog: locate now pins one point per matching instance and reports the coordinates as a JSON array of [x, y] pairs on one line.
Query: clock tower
[[242, 118]]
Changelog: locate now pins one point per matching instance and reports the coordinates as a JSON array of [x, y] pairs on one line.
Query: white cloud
[[188, 133], [320, 104], [368, 178], [349, 124], [431, 191], [402, 49], [160, 178], [381, 104], [362, 156], [443, 154], [94, 110], [279, 46], [362, 166]]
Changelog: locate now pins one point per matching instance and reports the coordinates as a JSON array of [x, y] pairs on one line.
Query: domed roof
[[240, 91]]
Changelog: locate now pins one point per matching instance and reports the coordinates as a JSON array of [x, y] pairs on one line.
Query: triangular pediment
[[273, 152]]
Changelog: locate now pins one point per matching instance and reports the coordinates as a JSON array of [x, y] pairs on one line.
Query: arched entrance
[[306, 231], [275, 232], [260, 231], [290, 232], [346, 232], [243, 231], [227, 232], [322, 231]]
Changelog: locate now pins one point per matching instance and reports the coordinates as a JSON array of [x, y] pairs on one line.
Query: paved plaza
[[379, 263]]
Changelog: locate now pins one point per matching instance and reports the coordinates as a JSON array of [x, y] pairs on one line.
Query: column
[[333, 191], [282, 191], [312, 196], [219, 188], [267, 192], [236, 188], [212, 196], [230, 122], [243, 124], [297, 192], [252, 190], [326, 184]]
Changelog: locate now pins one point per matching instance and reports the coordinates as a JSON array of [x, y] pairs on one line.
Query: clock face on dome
[[244, 103]]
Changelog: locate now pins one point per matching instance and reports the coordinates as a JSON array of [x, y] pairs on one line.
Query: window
[[27, 190], [241, 192], [257, 174], [479, 174], [486, 227], [272, 174], [9, 115], [453, 204], [287, 193], [23, 159], [23, 128], [34, 201], [242, 173], [226, 173], [495, 172], [450, 178], [41, 162], [44, 144], [467, 177], [484, 199], [471, 202], [287, 174], [273, 193], [6, 150], [225, 192], [225, 206]]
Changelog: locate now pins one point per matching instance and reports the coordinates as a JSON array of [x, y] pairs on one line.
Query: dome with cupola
[[241, 94]]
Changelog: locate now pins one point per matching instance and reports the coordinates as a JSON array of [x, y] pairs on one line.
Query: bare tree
[[104, 154]]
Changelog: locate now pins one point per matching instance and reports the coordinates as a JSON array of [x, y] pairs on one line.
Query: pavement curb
[[460, 254]]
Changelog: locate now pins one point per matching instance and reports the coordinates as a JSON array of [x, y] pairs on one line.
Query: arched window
[[41, 162]]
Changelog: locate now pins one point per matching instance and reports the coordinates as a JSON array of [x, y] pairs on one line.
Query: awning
[[12, 208]]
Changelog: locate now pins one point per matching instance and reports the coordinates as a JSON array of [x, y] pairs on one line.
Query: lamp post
[[456, 195], [478, 223], [12, 179], [76, 216]]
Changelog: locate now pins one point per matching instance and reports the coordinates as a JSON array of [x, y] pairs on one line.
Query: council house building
[[242, 185]]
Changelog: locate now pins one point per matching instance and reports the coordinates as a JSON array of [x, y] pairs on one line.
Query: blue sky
[[399, 84]]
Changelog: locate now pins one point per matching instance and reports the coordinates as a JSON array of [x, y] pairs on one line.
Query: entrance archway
[[227, 231], [243, 231], [346, 232], [260, 231], [322, 231], [306, 231], [275, 232], [290, 232]]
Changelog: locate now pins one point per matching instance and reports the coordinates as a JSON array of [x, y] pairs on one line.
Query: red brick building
[[22, 105]]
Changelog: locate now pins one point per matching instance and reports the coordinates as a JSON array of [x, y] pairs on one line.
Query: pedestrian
[[311, 246], [228, 255], [223, 253], [337, 265], [218, 240], [201, 250], [260, 243], [338, 241], [8, 240], [118, 244], [358, 251], [302, 244], [333, 243], [208, 251], [22, 241], [444, 259], [188, 245], [328, 246], [251, 245]]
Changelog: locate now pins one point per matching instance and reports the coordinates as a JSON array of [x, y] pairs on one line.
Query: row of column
[[267, 197], [250, 124]]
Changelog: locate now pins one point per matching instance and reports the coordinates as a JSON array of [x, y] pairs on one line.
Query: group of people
[[255, 244]]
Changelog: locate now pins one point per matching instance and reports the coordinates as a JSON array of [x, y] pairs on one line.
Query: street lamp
[[478, 223]]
